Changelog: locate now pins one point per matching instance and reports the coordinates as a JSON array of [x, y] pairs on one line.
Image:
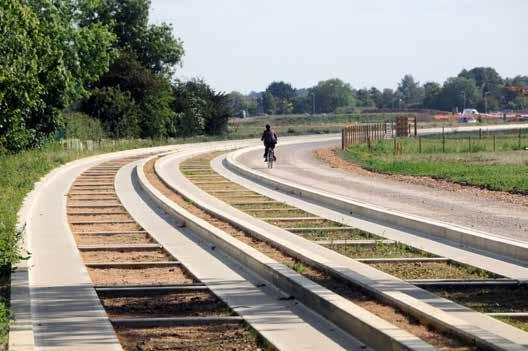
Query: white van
[[469, 115]]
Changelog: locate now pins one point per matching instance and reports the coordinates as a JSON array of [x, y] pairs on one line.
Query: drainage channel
[[469, 286], [351, 292], [151, 299]]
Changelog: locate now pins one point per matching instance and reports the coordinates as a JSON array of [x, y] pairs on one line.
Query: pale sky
[[244, 45]]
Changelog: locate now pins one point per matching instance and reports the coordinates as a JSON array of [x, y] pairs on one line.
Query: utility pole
[[464, 95], [313, 104]]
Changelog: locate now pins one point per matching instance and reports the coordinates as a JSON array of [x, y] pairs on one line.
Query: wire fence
[[480, 141]]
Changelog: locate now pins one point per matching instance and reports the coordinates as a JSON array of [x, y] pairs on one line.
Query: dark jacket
[[269, 137]]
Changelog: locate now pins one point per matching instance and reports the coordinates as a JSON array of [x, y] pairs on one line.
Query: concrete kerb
[[358, 322], [21, 337], [504, 247], [416, 307], [281, 321]]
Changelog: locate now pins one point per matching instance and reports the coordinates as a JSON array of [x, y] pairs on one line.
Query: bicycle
[[271, 157]]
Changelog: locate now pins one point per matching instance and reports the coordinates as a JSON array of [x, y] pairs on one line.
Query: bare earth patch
[[91, 239], [139, 276], [125, 256], [223, 337], [176, 304]]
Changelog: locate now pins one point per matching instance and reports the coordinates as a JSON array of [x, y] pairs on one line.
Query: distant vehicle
[[469, 115]]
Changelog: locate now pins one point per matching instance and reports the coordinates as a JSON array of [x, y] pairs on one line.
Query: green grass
[[520, 323], [465, 161]]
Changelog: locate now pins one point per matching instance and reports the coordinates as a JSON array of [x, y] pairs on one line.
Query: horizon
[[224, 47]]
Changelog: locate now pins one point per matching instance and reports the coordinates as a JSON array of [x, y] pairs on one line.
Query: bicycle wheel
[[271, 157]]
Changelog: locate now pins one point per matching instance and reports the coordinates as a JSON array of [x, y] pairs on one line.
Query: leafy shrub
[[116, 110], [81, 126]]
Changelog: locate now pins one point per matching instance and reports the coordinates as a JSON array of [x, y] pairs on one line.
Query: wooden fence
[[364, 133], [368, 132]]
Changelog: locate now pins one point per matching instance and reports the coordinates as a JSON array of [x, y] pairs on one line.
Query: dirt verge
[[330, 157]]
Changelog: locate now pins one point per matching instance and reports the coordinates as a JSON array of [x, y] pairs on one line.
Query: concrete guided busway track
[[64, 311], [58, 307], [167, 168]]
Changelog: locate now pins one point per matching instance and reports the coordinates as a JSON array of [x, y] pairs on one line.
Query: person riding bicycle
[[269, 137]]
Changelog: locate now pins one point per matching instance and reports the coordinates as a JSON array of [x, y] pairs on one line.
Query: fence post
[[494, 143], [343, 138], [469, 143], [519, 138], [419, 145], [443, 140], [480, 133], [394, 142]]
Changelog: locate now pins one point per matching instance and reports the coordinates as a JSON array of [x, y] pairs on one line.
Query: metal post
[[419, 145], [494, 143], [443, 140]]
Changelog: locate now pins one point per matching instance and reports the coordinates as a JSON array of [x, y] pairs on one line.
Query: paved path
[[296, 163]]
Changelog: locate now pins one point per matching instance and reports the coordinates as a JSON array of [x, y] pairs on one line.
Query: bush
[[81, 126], [116, 110]]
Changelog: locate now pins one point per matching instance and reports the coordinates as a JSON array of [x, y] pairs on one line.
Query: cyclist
[[269, 137]]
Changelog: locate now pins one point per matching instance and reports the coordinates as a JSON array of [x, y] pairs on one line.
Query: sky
[[244, 45]]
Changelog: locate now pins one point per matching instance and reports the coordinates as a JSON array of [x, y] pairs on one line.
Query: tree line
[[480, 87], [104, 59]]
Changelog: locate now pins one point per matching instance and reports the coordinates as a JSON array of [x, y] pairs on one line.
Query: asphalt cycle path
[[297, 163]]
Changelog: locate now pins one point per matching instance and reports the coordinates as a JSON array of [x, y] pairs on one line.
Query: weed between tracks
[[396, 250], [487, 299], [344, 288]]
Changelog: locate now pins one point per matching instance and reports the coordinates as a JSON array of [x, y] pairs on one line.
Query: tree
[[281, 91], [486, 78], [48, 60], [376, 96], [388, 98], [331, 94], [431, 95], [199, 109], [410, 91], [269, 103], [154, 45], [116, 110], [237, 102], [363, 98], [283, 95], [459, 93], [515, 100]]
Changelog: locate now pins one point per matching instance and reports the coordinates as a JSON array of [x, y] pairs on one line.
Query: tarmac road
[[296, 163]]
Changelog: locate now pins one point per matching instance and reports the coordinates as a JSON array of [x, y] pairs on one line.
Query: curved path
[[54, 298], [297, 163]]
